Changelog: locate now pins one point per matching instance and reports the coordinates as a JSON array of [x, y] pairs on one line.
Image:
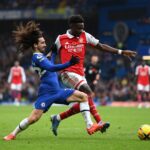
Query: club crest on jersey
[[43, 104], [81, 40]]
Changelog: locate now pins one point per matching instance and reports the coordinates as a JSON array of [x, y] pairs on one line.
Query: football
[[144, 132]]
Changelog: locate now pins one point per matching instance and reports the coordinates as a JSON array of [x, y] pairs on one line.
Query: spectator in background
[[92, 72], [16, 80], [143, 82]]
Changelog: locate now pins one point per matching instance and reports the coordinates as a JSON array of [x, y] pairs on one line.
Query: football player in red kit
[[74, 42], [16, 80], [143, 82]]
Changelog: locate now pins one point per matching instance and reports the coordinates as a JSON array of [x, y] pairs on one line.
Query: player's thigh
[[72, 80], [13, 86], [147, 88], [140, 87], [77, 96], [86, 89], [19, 87]]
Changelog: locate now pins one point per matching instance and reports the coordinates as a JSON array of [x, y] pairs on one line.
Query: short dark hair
[[27, 35], [75, 19]]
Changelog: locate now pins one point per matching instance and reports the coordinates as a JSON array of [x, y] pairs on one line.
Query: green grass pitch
[[122, 134]]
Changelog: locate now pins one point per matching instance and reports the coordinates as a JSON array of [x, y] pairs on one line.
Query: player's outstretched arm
[[107, 48], [46, 64]]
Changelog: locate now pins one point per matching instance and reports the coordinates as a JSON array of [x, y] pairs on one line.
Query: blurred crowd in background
[[117, 74], [60, 6]]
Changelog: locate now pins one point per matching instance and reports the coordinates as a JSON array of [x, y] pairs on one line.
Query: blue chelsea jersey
[[46, 69]]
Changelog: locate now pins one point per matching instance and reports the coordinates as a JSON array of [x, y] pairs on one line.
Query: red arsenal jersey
[[69, 45], [17, 75], [143, 73]]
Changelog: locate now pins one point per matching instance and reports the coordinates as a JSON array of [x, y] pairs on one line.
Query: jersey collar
[[37, 53], [70, 35]]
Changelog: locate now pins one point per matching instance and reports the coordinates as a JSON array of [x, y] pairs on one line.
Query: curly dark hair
[[27, 35], [75, 19]]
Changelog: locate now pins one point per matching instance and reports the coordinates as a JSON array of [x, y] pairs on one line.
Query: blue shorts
[[45, 100]]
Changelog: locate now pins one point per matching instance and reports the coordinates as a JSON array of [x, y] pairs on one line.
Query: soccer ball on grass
[[144, 132]]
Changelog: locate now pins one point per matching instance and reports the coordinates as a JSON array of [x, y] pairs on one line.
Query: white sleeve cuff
[[119, 51]]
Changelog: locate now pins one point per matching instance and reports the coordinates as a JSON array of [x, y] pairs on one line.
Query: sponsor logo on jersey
[[74, 47]]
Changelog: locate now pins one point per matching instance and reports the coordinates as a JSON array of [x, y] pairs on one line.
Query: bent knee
[[84, 97], [33, 119]]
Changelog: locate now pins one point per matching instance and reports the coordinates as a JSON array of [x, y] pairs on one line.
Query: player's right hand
[[129, 53], [74, 60]]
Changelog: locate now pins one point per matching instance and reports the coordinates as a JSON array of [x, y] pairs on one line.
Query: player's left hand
[[74, 60], [129, 53]]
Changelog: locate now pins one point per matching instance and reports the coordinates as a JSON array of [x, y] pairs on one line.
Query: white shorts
[[72, 80], [17, 87], [145, 88]]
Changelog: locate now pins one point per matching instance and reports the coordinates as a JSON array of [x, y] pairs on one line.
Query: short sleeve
[[136, 70], [91, 39], [149, 70], [57, 42]]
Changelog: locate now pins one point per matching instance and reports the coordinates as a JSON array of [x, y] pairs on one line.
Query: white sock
[[85, 110], [58, 117], [100, 122], [22, 126]]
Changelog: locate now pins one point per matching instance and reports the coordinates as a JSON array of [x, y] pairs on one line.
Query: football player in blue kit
[[29, 37]]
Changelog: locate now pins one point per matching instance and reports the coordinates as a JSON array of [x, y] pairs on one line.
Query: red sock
[[73, 110], [93, 110], [139, 97], [76, 109], [19, 96]]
